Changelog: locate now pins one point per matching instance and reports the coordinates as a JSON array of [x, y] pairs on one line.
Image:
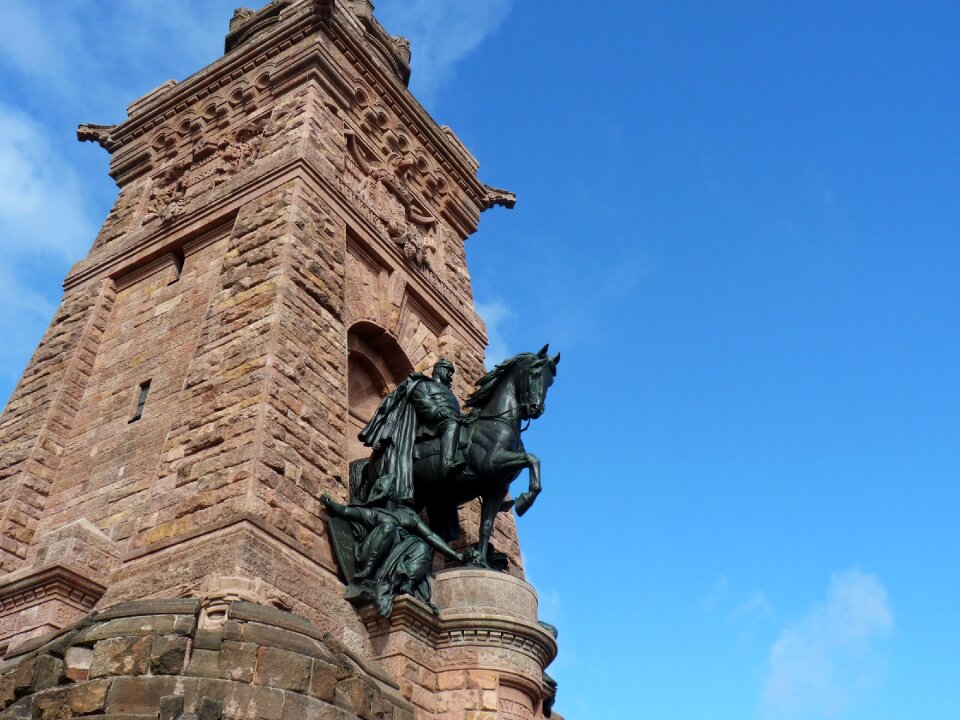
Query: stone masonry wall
[[39, 416], [154, 660]]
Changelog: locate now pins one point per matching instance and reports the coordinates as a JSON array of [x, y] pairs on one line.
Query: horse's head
[[535, 378], [526, 377]]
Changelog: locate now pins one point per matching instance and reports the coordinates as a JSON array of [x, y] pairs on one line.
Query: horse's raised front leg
[[506, 461], [525, 501]]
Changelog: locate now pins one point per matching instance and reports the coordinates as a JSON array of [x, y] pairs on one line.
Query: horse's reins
[[513, 423]]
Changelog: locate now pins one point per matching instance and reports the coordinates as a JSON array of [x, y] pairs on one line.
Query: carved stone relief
[[209, 160], [382, 185]]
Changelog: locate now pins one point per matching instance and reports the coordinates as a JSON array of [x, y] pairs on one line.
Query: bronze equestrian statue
[[427, 455]]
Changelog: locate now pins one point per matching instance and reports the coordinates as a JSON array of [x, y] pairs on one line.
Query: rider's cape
[[391, 433]]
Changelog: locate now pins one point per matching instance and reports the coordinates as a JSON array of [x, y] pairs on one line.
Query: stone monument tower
[[286, 247]]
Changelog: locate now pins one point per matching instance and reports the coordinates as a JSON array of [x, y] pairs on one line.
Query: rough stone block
[[140, 695], [272, 616], [88, 697], [23, 710], [359, 696], [121, 656], [136, 608], [209, 709], [323, 681], [171, 707], [167, 655], [283, 669], [252, 702], [238, 660], [208, 639], [77, 661], [47, 672], [141, 626], [203, 663], [285, 640]]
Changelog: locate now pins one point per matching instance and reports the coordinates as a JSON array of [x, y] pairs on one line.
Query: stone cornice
[[30, 588], [451, 629], [301, 20]]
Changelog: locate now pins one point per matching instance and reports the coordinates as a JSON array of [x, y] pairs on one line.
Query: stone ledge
[[18, 590]]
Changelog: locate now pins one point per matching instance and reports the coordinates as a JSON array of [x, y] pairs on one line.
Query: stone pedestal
[[482, 658]]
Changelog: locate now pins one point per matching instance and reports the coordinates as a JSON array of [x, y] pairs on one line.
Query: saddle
[[430, 446]]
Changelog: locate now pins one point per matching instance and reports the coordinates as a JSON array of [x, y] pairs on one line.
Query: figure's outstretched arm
[[436, 542], [344, 511]]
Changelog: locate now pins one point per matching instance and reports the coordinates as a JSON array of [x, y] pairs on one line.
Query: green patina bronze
[[429, 456]]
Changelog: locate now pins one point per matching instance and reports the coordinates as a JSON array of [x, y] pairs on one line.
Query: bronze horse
[[514, 391]]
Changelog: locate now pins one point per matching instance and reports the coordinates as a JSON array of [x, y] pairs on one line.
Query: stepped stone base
[[481, 658], [155, 660]]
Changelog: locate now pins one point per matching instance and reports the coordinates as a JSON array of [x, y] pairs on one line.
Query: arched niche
[[376, 364]]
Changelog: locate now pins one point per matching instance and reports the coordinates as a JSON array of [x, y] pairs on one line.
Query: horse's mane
[[488, 383]]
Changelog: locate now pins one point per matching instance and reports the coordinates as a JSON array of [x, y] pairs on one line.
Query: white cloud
[[41, 199], [827, 660], [441, 33], [43, 225], [756, 606], [716, 593], [495, 314]]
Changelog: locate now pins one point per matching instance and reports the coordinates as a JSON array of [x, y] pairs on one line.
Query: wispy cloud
[[757, 606], [495, 314], [441, 33], [43, 224], [716, 593], [828, 659], [41, 201]]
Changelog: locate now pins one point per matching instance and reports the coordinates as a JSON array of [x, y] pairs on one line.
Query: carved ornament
[[382, 185], [217, 160]]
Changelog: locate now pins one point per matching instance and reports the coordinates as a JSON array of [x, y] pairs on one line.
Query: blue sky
[[738, 222]]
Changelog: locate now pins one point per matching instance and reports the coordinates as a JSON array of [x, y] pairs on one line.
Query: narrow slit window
[[141, 401], [178, 260]]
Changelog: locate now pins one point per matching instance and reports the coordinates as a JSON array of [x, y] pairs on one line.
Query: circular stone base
[[486, 592]]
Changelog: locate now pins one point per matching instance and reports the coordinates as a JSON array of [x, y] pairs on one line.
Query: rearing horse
[[514, 391]]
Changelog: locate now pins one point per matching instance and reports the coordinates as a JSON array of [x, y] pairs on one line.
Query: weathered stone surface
[[204, 663], [237, 661], [209, 709], [140, 695], [171, 707], [142, 626], [141, 608], [88, 697], [359, 696], [167, 654], [77, 660], [283, 669], [121, 656], [323, 681]]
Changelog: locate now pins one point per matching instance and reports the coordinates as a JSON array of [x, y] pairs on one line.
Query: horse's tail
[[359, 482]]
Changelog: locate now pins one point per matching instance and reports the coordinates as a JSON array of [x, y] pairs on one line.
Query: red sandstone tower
[[287, 245]]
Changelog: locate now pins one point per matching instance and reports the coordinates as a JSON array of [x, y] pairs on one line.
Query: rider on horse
[[421, 407]]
